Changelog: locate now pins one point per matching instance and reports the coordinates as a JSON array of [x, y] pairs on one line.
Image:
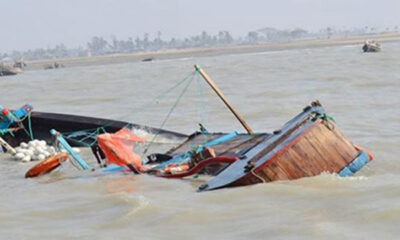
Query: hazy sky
[[45, 23]]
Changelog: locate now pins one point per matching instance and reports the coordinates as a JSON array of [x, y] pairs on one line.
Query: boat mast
[[223, 98]]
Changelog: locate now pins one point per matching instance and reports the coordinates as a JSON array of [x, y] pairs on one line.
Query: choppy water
[[360, 90]]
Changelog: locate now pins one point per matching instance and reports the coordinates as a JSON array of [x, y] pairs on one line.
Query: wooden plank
[[291, 159], [251, 142], [275, 172], [287, 163], [322, 143], [330, 165], [316, 151], [309, 160], [331, 146], [339, 143]]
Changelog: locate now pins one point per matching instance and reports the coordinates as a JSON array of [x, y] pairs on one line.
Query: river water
[[362, 92]]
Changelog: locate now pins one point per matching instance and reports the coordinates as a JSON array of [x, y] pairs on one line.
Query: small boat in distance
[[7, 71], [54, 65], [371, 46], [148, 59], [9, 67]]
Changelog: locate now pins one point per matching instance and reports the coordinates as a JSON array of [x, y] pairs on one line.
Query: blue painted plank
[[78, 159], [358, 162], [346, 172]]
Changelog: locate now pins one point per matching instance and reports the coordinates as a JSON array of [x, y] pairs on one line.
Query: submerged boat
[[306, 146], [24, 125], [371, 46]]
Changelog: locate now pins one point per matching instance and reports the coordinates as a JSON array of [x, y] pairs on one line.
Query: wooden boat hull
[[314, 151], [43, 122], [306, 146]]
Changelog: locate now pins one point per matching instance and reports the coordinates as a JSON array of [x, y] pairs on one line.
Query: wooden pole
[[9, 149], [223, 98]]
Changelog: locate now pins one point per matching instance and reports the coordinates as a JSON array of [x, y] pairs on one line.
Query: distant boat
[[371, 46], [19, 64], [148, 59], [9, 67], [9, 70], [54, 65]]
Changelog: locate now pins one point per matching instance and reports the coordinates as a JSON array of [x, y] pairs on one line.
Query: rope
[[95, 131], [7, 130], [325, 120], [257, 176], [92, 132], [30, 126], [202, 106], [189, 81], [27, 133], [19, 122], [159, 97]]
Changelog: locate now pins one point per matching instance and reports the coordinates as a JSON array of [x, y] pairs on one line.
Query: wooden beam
[[9, 149], [223, 98]]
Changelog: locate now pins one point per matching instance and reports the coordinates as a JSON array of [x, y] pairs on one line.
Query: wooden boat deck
[[235, 146]]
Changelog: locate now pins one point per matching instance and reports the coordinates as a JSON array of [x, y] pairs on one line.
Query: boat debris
[[47, 165]]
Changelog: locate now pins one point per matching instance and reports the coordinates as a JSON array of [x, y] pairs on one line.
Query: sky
[[30, 24]]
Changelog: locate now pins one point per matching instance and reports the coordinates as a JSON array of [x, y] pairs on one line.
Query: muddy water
[[360, 90]]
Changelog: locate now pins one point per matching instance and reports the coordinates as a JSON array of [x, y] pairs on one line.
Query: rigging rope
[[19, 122], [189, 80], [202, 106], [94, 131], [326, 120]]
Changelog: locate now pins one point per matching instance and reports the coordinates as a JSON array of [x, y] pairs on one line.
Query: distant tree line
[[101, 46]]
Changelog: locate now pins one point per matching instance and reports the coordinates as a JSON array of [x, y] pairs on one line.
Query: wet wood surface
[[318, 150]]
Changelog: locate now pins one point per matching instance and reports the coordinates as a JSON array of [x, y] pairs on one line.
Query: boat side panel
[[319, 150]]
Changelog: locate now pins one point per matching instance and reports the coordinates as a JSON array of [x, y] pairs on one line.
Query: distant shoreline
[[212, 51]]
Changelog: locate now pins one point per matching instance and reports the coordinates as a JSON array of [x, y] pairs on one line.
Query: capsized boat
[[307, 145], [24, 124], [371, 46]]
